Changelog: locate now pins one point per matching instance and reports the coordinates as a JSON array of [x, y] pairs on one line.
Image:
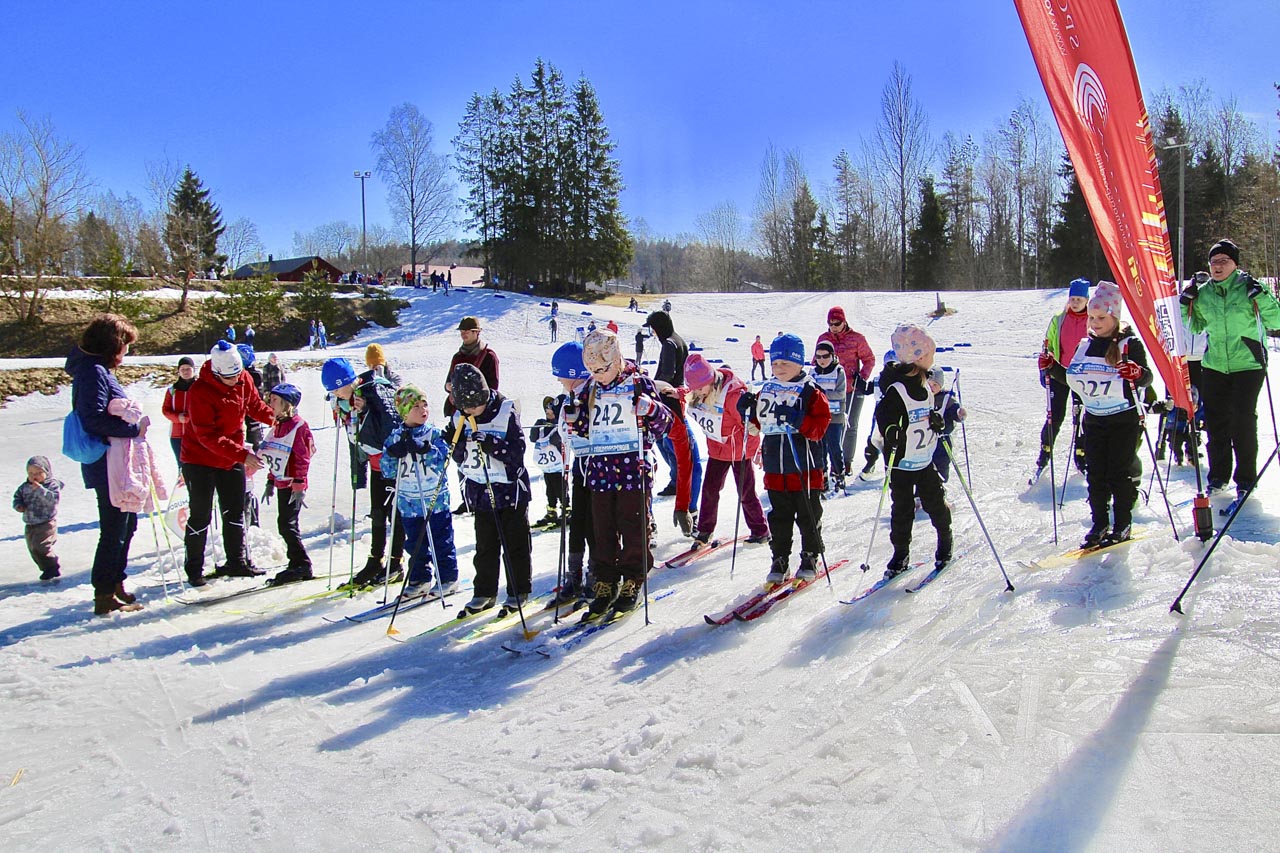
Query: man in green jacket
[[1236, 311]]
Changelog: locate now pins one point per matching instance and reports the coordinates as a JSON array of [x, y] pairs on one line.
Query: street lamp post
[[1170, 143], [364, 227]]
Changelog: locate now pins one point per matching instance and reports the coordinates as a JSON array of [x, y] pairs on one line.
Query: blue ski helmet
[[566, 362], [289, 393], [247, 356], [337, 373]]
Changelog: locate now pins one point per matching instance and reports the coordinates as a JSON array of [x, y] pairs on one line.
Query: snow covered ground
[[1074, 713]]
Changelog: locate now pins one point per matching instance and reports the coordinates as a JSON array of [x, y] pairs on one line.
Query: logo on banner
[[1091, 98]]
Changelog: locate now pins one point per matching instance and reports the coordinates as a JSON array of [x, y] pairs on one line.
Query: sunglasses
[[598, 371], [823, 355]]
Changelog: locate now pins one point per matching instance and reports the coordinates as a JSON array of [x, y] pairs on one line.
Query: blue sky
[[273, 103]]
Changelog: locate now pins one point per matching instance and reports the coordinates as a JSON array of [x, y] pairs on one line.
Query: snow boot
[[105, 603], [701, 539], [122, 596], [777, 574], [762, 539], [808, 567]]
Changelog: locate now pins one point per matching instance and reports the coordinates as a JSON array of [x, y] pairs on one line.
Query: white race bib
[[709, 414], [1098, 383], [477, 462], [548, 456], [418, 480], [774, 394], [274, 452], [831, 385], [613, 427], [921, 441]]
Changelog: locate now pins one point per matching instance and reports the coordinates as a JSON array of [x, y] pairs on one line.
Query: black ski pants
[[382, 498], [1231, 420], [1111, 446], [495, 529], [904, 488], [287, 524], [789, 510], [202, 482]]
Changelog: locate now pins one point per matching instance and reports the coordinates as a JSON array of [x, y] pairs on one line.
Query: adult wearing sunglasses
[[857, 359]]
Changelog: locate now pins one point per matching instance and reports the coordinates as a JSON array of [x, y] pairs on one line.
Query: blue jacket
[[93, 386], [427, 444]]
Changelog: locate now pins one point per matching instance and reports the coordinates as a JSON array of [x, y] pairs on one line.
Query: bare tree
[[902, 149], [773, 213], [42, 181], [419, 191], [241, 243], [721, 231], [330, 241]]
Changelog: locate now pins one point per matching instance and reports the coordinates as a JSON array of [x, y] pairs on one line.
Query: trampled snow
[[1073, 713]]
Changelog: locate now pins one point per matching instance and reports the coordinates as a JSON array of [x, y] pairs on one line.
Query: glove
[[645, 406], [684, 521], [266, 493], [867, 386], [787, 415], [1045, 361], [1129, 371], [961, 414], [1253, 289], [1189, 294], [746, 405], [892, 436], [1159, 407], [936, 423], [297, 498]]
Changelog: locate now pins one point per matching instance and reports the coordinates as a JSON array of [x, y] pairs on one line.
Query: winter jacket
[[757, 351], [1065, 332], [1095, 348], [1236, 324], [834, 383], [132, 474], [384, 371], [794, 457], [175, 405], [421, 454], [491, 457], [484, 359], [298, 464], [378, 418], [855, 356], [628, 470], [674, 351], [272, 375], [215, 427], [38, 502], [892, 413], [721, 421], [93, 387]]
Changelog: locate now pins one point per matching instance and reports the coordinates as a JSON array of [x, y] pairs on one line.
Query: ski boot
[[603, 593], [628, 595], [1121, 533], [808, 570], [293, 574], [701, 539], [762, 539], [897, 565], [1093, 539], [477, 604], [511, 605], [942, 555], [236, 570], [777, 574]]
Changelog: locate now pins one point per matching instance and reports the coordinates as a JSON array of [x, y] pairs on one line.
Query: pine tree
[[599, 246], [1075, 251], [804, 213], [926, 257], [192, 227]]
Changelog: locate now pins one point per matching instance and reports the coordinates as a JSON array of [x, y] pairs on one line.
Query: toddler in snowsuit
[[286, 454], [909, 427], [415, 456], [952, 413], [548, 449], [792, 413], [37, 500], [491, 459]]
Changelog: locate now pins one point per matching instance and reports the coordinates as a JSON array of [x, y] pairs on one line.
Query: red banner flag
[[1082, 52]]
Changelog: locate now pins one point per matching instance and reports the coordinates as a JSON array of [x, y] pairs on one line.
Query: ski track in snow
[[1073, 713]]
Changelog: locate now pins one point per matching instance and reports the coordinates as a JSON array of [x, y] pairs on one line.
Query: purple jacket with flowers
[[621, 472], [503, 445]]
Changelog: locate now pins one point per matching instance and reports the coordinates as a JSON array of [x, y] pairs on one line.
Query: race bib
[[920, 440], [831, 385], [274, 452], [613, 427], [418, 481], [548, 456], [1098, 383], [774, 395], [478, 466], [709, 415]]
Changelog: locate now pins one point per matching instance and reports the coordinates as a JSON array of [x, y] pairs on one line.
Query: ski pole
[[1142, 425], [391, 533], [890, 458], [1053, 482], [155, 510], [964, 436], [807, 491], [739, 475], [1176, 607], [427, 510], [969, 494], [644, 493], [1071, 452], [333, 505]]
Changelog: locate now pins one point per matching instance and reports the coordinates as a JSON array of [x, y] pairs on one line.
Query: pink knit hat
[[911, 343], [697, 373], [1107, 298]]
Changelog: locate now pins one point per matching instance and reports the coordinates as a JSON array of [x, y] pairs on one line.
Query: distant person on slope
[[757, 359]]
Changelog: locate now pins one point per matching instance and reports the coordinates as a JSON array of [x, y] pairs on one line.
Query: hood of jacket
[[660, 322], [78, 361]]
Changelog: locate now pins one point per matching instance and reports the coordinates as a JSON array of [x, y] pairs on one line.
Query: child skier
[[569, 370], [548, 449], [37, 500], [871, 453], [792, 413], [286, 454], [491, 460], [909, 427], [952, 412], [618, 417], [1106, 369], [830, 376], [415, 456], [712, 401]]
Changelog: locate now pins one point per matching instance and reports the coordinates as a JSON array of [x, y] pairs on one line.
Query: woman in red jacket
[[214, 457], [855, 356], [175, 404]]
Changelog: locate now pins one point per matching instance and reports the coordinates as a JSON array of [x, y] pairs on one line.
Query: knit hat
[[291, 394], [337, 373], [548, 403], [247, 356], [566, 362], [41, 462], [469, 388], [374, 356], [469, 324], [224, 359], [787, 347], [1226, 247], [407, 397], [912, 343], [600, 349], [825, 345], [697, 372], [836, 315], [187, 360], [1079, 287], [1107, 298], [612, 326]]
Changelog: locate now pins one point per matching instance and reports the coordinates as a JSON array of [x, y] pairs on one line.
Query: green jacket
[[1225, 311]]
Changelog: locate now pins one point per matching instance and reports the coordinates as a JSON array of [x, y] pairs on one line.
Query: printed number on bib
[[418, 480], [614, 428]]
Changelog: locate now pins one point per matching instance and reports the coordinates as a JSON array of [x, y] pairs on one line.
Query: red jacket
[[730, 449], [757, 351], [215, 419], [854, 354], [304, 445], [175, 405]]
